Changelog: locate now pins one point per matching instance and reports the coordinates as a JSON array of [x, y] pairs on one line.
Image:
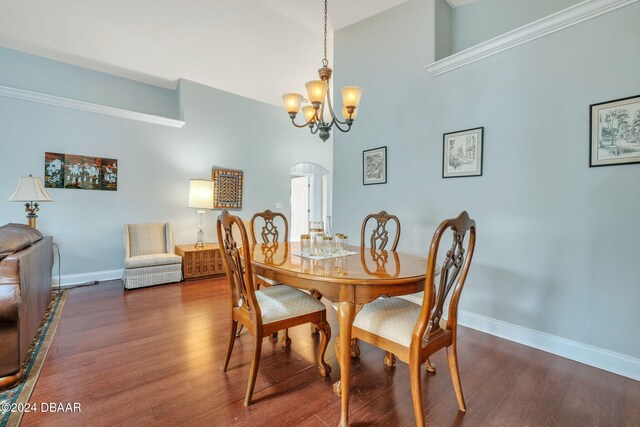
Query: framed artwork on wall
[[374, 166], [80, 172], [615, 132], [462, 153], [227, 188]]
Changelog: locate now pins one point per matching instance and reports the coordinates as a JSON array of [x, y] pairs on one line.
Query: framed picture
[[227, 188], [374, 166], [53, 170], [462, 153], [615, 132]]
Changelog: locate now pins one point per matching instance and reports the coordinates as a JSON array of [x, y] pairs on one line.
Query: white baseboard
[[593, 356], [68, 280]]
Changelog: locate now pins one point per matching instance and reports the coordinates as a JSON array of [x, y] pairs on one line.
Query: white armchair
[[149, 258]]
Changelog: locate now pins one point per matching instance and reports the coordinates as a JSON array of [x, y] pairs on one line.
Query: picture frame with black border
[[462, 153], [374, 166]]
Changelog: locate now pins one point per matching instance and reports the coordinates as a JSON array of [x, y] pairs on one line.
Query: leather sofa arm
[[9, 303]]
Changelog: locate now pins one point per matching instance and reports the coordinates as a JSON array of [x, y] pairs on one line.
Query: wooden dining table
[[350, 281]]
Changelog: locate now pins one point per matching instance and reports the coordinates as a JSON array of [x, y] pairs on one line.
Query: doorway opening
[[310, 197]]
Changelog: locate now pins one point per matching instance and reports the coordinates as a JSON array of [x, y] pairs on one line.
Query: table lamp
[[201, 198], [31, 191]]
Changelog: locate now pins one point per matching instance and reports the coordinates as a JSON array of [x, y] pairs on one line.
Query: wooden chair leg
[[416, 392], [325, 336], [390, 360], [431, 368], [286, 341], [452, 355], [274, 337], [232, 340], [253, 372]]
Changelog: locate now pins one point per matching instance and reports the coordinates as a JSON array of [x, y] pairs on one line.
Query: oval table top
[[366, 267]]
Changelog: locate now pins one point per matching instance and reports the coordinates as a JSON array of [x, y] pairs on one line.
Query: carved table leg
[[346, 314], [274, 337], [390, 360], [355, 350], [317, 295], [325, 336]]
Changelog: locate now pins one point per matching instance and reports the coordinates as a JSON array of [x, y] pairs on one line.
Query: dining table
[[350, 281]]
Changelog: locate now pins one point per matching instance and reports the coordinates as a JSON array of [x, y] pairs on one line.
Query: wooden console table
[[200, 263]]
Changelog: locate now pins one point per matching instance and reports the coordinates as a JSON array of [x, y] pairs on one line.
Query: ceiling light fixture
[[319, 97]]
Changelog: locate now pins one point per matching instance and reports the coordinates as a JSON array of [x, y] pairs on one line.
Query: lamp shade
[[30, 189], [201, 193], [309, 113], [316, 89], [351, 96], [292, 102]]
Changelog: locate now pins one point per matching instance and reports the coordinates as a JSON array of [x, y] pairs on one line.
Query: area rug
[[19, 395]]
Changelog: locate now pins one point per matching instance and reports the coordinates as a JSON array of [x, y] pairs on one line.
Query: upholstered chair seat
[[284, 302], [152, 260], [389, 318]]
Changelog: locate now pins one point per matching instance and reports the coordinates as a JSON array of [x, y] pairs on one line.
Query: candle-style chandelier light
[[319, 98]]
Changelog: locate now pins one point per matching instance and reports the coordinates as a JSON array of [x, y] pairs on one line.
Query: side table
[[199, 263]]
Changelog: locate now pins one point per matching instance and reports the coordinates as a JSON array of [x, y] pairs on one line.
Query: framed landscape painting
[[374, 166], [615, 132], [462, 153]]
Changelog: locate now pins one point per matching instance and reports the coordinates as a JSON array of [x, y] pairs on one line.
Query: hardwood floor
[[152, 357]]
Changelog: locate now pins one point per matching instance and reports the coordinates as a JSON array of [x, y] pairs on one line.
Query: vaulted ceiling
[[254, 48]]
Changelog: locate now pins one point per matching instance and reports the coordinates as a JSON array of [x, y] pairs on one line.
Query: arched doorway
[[310, 197]]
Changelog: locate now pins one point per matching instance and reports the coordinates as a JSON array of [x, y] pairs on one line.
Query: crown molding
[[568, 17], [57, 101]]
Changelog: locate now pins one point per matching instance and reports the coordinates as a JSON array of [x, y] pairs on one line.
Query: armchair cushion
[[151, 260], [283, 302], [389, 318], [16, 237]]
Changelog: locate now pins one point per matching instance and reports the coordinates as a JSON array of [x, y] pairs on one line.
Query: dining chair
[[378, 241], [267, 310], [380, 235], [413, 332], [270, 233]]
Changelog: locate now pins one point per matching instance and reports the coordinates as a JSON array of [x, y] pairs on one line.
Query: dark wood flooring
[[152, 357]]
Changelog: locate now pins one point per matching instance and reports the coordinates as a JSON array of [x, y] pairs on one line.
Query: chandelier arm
[[293, 121], [337, 123], [334, 116]]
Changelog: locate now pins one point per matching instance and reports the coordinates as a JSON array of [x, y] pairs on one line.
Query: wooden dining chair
[[270, 233], [378, 241], [267, 310], [413, 332], [380, 235]]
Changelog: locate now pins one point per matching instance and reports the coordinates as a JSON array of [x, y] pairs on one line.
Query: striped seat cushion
[[284, 302], [151, 260]]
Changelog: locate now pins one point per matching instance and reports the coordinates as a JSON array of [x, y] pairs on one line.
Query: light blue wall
[[155, 162], [23, 71], [557, 246], [443, 29], [484, 19]]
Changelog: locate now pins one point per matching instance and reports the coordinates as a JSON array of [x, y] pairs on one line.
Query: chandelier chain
[[325, 62]]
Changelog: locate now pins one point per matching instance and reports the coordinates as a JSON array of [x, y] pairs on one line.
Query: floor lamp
[[201, 198]]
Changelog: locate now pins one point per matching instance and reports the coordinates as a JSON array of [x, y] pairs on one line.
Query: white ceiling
[[458, 3], [255, 48]]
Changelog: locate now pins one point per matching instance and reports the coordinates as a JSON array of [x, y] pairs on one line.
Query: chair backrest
[[146, 239], [239, 272], [380, 236], [269, 231], [453, 273]]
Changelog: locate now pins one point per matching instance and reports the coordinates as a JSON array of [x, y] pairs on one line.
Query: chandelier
[[320, 100]]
